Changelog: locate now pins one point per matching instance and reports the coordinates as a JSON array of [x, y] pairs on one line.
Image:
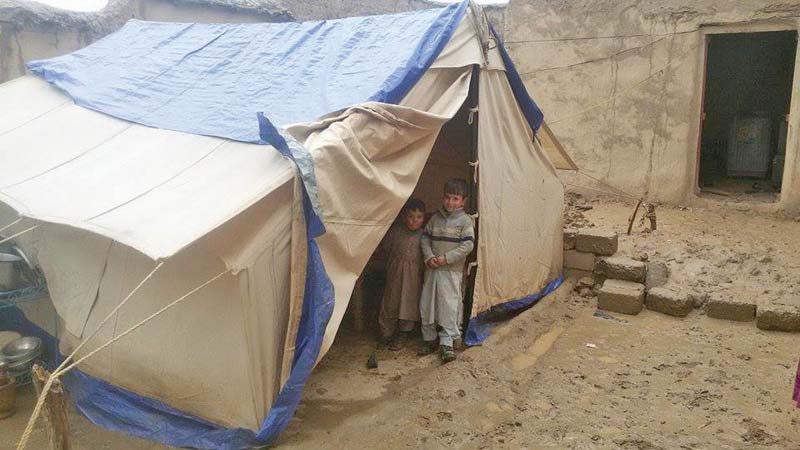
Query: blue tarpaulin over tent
[[211, 79]]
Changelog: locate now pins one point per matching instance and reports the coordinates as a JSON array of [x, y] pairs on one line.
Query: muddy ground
[[560, 376]]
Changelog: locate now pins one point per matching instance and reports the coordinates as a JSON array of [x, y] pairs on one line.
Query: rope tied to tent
[[471, 117], [65, 367], [11, 224], [4, 240], [617, 191]]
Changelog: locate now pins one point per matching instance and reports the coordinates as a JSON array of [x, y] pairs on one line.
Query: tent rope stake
[[62, 370]]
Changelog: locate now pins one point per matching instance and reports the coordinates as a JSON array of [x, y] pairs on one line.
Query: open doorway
[[747, 93], [450, 157]]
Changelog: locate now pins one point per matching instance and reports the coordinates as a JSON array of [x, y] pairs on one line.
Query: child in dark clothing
[[400, 305]]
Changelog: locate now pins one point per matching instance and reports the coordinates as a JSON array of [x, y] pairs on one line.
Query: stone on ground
[[621, 268], [779, 316], [727, 308], [670, 302], [574, 259], [621, 296], [657, 275], [569, 238], [599, 242], [586, 282]]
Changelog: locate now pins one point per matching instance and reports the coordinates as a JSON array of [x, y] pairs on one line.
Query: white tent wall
[[520, 202], [219, 354]]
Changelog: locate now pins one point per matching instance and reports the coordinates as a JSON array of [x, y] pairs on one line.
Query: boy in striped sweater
[[447, 240]]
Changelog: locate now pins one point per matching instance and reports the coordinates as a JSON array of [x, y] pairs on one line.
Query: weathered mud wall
[[621, 84], [620, 81]]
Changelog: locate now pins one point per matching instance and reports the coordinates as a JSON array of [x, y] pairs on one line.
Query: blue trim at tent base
[[119, 409], [480, 326]]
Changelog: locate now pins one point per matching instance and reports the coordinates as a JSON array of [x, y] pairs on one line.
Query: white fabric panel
[[219, 354], [73, 262], [464, 49], [51, 141], [123, 168], [193, 357], [520, 202], [367, 163], [154, 190], [25, 99], [199, 199], [265, 228], [436, 90]]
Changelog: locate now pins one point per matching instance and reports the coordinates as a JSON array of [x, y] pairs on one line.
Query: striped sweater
[[450, 234]]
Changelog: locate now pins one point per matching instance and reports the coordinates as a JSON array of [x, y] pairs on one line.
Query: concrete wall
[[620, 81]]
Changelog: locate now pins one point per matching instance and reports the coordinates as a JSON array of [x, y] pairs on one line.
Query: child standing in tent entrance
[[400, 305], [447, 240]]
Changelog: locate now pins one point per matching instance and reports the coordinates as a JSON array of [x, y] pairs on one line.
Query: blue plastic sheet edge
[[318, 303], [480, 326], [529, 108], [432, 43]]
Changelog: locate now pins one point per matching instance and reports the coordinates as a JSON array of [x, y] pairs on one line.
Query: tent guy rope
[[11, 224], [4, 240], [62, 369]]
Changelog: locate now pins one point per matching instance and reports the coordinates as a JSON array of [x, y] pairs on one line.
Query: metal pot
[[22, 365], [24, 348]]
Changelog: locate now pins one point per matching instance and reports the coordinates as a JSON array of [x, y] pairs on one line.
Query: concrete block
[[621, 296], [719, 307], [778, 317], [604, 243], [669, 302], [657, 275], [621, 268], [570, 234], [574, 259]]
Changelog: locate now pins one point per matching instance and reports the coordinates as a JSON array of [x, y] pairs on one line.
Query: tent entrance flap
[[450, 157]]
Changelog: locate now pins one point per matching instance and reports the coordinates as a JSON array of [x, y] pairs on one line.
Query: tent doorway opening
[[748, 87], [455, 148]]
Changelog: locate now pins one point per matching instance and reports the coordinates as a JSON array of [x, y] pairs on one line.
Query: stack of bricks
[[627, 286], [582, 248]]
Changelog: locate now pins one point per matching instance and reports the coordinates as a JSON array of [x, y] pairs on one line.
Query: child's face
[[453, 202], [413, 219]]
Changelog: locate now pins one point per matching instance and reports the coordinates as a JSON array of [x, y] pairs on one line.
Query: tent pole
[[472, 204]]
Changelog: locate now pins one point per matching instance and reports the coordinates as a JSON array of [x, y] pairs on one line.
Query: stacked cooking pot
[[19, 355]]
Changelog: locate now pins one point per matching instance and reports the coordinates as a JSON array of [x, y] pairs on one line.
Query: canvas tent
[[274, 156]]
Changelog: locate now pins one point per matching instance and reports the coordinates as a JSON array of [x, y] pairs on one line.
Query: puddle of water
[[540, 346]]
